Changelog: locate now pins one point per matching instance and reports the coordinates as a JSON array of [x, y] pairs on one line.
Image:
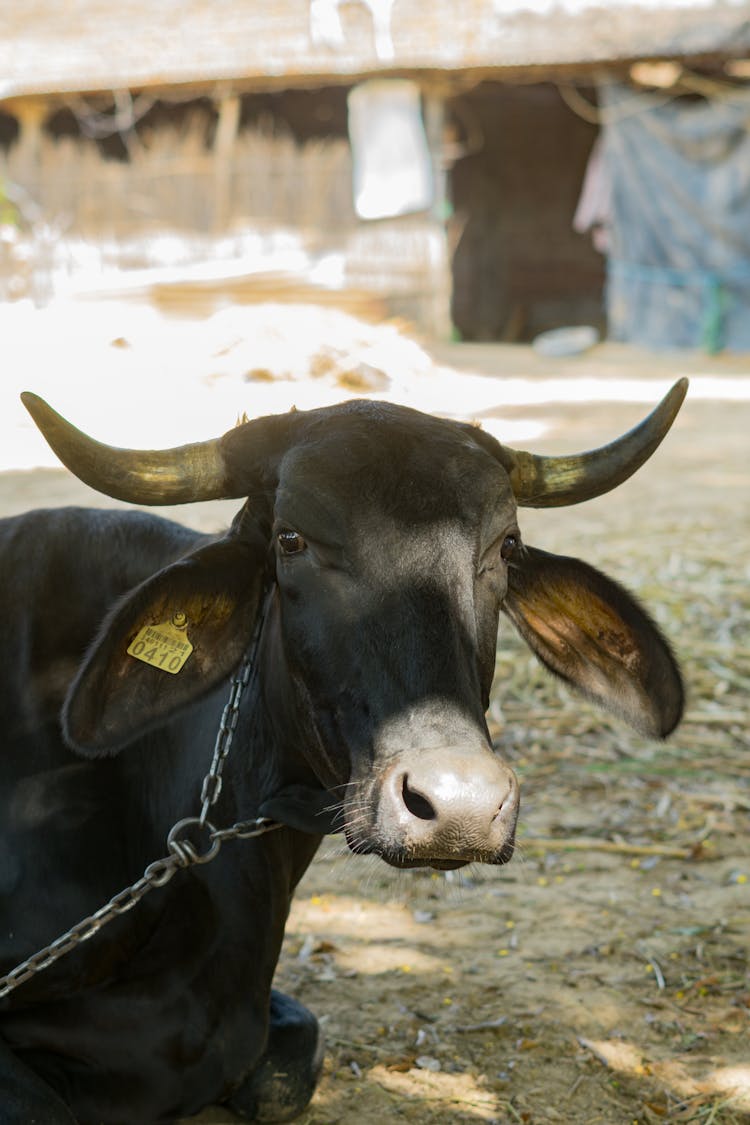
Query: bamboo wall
[[174, 181]]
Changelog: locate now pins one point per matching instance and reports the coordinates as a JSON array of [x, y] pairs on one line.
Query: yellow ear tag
[[163, 646]]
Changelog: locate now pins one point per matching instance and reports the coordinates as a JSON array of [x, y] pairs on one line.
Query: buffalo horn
[[148, 476], [553, 482], [199, 471]]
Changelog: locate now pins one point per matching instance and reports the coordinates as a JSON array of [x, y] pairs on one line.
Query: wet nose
[[450, 804]]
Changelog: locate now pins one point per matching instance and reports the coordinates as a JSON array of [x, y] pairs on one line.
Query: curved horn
[[553, 482], [149, 476]]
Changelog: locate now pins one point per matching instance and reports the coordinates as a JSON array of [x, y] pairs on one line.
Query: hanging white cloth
[[392, 170]]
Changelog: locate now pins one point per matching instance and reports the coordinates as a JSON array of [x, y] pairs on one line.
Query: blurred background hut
[[386, 156]]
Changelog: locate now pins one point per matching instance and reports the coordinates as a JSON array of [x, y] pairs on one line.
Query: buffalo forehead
[[355, 470]]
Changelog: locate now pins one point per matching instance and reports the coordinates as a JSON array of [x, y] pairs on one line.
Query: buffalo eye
[[291, 542], [508, 548]]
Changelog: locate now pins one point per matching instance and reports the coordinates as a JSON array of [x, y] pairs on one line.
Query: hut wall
[[167, 179], [205, 174], [519, 267]]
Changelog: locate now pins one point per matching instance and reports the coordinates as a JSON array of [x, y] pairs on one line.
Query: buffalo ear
[[116, 697], [590, 631]]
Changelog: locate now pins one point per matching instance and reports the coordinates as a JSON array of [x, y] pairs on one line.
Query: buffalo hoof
[[284, 1080]]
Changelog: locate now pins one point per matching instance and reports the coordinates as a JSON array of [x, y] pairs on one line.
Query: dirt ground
[[601, 977]]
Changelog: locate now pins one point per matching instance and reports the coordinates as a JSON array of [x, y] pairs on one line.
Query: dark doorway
[[519, 268]]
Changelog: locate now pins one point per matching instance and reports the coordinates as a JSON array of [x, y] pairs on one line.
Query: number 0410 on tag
[[162, 646]]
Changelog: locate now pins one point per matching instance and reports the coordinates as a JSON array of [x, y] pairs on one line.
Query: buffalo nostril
[[416, 802], [508, 800], [501, 806]]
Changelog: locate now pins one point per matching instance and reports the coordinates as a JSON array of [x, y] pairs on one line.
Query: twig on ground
[[587, 843]]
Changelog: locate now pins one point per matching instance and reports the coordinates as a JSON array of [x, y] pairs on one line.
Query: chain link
[[212, 782], [245, 829], [182, 851]]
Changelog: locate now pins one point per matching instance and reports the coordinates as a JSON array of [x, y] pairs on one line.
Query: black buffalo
[[381, 545]]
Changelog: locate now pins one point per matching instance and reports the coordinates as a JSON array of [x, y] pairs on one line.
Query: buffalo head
[[389, 543]]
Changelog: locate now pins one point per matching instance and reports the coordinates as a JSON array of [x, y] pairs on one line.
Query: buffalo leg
[[25, 1098], [284, 1080]]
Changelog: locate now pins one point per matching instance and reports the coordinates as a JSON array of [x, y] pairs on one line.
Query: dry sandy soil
[[601, 977]]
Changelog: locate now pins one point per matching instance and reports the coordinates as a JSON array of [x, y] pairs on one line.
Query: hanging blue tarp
[[679, 229]]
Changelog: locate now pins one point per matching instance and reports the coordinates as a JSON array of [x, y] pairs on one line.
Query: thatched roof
[[89, 45]]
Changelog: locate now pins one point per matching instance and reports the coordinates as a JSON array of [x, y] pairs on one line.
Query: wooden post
[[223, 159], [439, 317], [27, 157]]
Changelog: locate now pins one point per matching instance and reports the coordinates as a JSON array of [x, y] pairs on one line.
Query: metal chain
[[182, 852], [157, 874], [212, 782]]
